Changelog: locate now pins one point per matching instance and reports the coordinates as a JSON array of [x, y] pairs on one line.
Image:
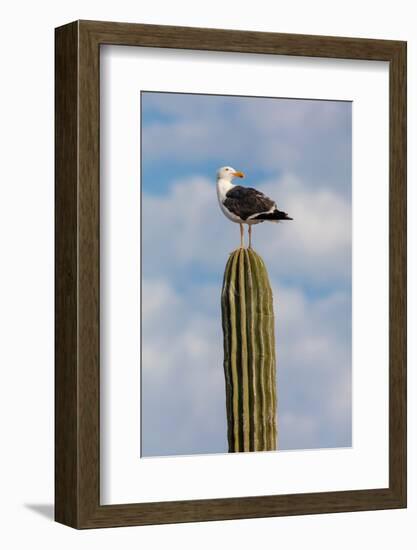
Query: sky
[[299, 153]]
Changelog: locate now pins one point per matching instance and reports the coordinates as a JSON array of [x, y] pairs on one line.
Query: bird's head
[[228, 173]]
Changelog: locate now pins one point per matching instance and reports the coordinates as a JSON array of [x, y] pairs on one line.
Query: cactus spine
[[249, 353]]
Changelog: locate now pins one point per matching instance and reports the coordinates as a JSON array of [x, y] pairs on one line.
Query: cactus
[[249, 354]]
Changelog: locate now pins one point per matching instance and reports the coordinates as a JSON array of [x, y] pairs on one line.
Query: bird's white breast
[[223, 186]]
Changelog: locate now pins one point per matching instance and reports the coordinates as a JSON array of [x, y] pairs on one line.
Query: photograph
[[246, 273]]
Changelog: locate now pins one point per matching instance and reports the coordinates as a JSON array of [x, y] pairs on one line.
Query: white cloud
[[296, 427], [157, 297], [182, 374]]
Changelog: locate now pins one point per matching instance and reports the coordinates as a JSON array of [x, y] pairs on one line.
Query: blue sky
[[299, 153]]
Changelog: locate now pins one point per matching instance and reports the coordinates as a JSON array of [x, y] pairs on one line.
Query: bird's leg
[[250, 235], [241, 235]]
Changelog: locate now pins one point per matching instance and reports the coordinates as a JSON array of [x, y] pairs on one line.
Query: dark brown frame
[[77, 371]]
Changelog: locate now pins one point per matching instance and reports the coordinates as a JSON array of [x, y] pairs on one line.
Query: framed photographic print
[[230, 274]]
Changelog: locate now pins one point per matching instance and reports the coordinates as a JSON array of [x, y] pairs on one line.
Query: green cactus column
[[249, 354]]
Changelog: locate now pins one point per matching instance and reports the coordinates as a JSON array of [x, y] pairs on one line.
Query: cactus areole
[[249, 354]]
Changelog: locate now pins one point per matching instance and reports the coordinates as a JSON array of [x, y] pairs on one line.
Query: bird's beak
[[238, 174]]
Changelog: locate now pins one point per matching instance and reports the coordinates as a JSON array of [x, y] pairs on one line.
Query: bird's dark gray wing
[[246, 201]]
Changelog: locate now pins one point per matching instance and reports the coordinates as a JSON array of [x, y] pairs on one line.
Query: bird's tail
[[274, 216]]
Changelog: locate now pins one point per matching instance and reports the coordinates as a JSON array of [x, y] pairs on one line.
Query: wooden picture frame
[[77, 370]]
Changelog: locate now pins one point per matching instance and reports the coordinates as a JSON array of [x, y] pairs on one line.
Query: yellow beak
[[239, 174]]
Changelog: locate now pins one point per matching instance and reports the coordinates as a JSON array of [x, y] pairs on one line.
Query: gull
[[245, 204]]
